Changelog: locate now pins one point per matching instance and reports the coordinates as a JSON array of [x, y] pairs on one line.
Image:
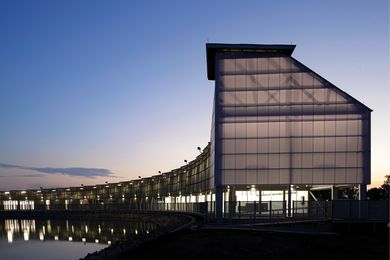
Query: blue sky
[[121, 88]]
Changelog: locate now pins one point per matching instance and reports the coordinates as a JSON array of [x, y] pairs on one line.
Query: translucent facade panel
[[251, 130], [228, 65], [307, 160], [262, 176], [278, 122], [229, 98], [273, 129], [262, 145], [241, 162], [262, 81], [251, 97], [251, 177], [351, 175], [341, 160], [240, 85], [251, 145], [273, 145], [352, 160], [251, 161], [262, 67], [229, 161], [240, 130], [307, 144], [273, 176], [263, 161], [359, 174], [329, 144], [284, 161], [284, 176], [307, 176], [228, 146], [318, 160], [228, 82], [240, 177], [296, 161], [318, 128], [228, 130], [285, 145], [296, 144], [229, 176], [341, 128], [240, 145], [353, 127], [340, 175], [273, 161], [318, 176], [296, 176], [328, 176]]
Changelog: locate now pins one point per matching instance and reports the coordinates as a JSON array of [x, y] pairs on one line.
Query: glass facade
[[180, 189], [280, 123]]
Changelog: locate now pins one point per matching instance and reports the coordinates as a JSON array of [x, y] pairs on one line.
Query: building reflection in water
[[103, 232]]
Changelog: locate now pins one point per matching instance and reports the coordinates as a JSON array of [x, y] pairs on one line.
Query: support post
[[218, 204], [334, 193], [362, 192], [284, 203], [232, 201], [289, 201], [260, 204]]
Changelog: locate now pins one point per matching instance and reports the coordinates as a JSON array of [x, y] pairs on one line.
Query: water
[[62, 238]]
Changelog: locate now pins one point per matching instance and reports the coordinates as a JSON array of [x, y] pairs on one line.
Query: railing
[[239, 210], [200, 207], [361, 209], [311, 210], [272, 210]]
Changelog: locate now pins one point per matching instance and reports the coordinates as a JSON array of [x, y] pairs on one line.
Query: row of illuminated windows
[[201, 176], [172, 188], [293, 145], [306, 128], [194, 180], [298, 176], [293, 96], [180, 182], [305, 160]]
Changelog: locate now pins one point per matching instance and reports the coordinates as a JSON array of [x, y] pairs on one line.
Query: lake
[[63, 238]]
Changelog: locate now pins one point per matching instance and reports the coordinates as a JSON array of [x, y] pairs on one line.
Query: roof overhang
[[213, 48]]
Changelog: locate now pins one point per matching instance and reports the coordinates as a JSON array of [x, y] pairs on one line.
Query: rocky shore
[[166, 223]]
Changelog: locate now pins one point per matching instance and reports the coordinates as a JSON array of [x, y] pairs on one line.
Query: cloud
[[74, 171], [33, 175]]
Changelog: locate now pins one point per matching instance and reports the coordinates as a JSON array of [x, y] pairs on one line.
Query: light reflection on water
[[37, 238]]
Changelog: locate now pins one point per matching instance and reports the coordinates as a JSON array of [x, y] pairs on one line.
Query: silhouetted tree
[[381, 193], [386, 186]]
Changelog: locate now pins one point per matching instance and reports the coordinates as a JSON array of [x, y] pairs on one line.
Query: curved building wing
[[277, 128]]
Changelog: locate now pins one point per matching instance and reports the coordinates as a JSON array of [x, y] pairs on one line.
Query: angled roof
[[334, 86], [212, 48]]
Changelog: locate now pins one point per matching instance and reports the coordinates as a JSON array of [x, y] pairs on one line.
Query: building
[[279, 132], [276, 124]]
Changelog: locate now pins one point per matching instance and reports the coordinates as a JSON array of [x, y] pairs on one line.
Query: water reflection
[[94, 231]]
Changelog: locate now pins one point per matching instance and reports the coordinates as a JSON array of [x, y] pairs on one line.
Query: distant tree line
[[382, 192]]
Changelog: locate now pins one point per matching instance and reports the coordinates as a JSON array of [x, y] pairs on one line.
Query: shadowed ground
[[242, 244]]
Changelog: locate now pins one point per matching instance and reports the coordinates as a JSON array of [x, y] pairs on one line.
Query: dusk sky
[[95, 91]]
